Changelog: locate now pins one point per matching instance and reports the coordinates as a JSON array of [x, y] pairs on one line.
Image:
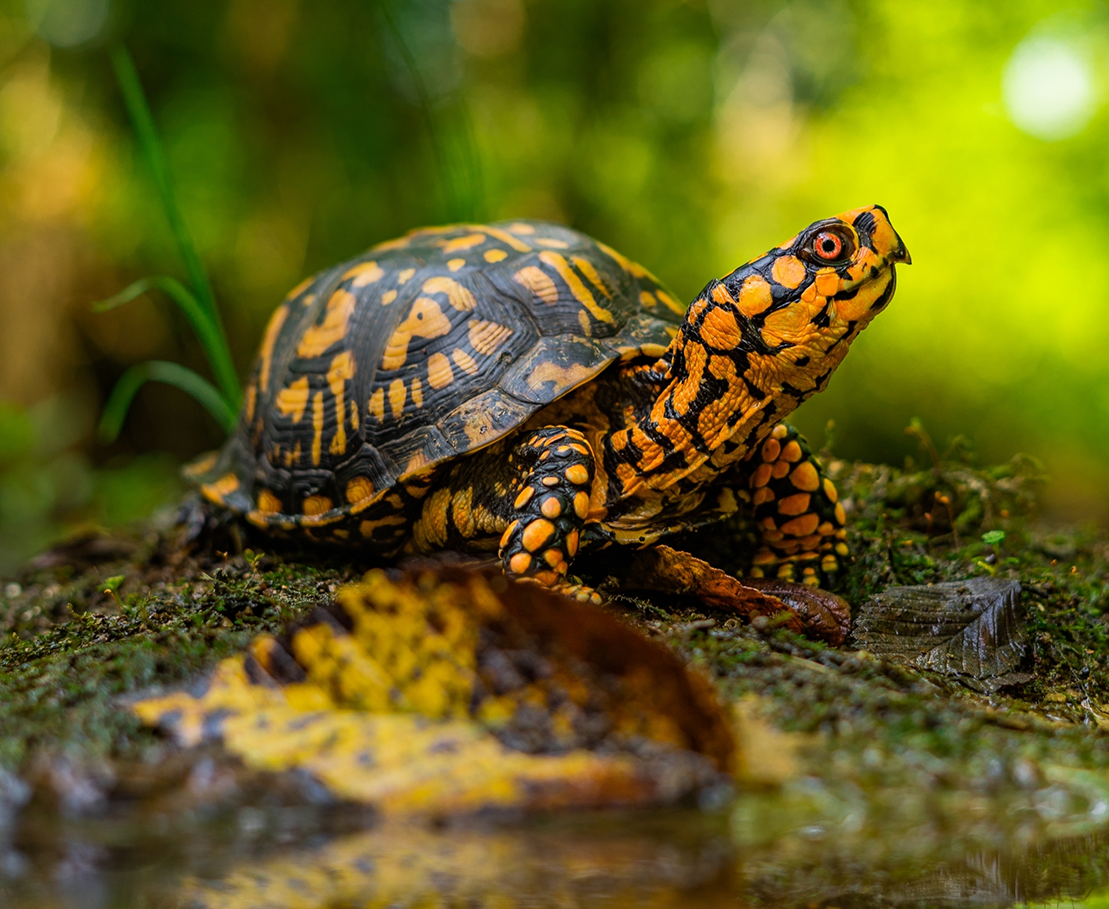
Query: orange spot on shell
[[317, 427], [771, 448], [830, 490], [779, 469], [456, 264], [494, 255], [376, 405], [792, 451], [224, 486], [464, 361], [520, 563], [551, 507], [524, 497]]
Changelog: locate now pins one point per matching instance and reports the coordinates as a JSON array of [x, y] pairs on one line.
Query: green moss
[[87, 632]]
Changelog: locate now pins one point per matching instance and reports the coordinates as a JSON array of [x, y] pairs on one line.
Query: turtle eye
[[832, 246]]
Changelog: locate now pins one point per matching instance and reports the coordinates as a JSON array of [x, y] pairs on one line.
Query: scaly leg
[[797, 512], [554, 467]]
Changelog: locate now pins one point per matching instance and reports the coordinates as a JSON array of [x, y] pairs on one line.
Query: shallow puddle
[[807, 845]]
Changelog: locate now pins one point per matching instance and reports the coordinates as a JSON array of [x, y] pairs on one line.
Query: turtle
[[523, 390]]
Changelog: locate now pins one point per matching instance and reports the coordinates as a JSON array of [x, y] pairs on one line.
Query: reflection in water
[[804, 846]]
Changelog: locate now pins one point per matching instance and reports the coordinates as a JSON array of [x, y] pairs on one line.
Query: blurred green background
[[690, 135]]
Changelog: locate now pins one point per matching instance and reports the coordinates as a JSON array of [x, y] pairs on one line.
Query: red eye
[[828, 246]]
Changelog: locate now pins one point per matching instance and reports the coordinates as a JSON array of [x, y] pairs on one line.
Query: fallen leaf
[[972, 628], [446, 692]]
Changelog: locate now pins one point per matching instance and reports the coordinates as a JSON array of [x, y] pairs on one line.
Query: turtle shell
[[424, 349]]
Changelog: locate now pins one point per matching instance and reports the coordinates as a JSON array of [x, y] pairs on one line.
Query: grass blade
[[459, 168], [119, 401], [215, 340], [198, 317]]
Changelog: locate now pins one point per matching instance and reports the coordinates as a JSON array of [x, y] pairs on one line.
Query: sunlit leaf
[[451, 692]]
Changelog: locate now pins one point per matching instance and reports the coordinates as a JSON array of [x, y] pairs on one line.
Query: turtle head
[[761, 340], [798, 308]]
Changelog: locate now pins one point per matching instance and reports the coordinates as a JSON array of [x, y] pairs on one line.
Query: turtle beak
[[901, 254]]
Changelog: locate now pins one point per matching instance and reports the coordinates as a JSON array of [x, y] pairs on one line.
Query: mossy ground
[[74, 648]]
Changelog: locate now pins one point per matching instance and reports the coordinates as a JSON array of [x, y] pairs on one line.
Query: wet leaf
[[825, 615], [973, 628], [446, 692]]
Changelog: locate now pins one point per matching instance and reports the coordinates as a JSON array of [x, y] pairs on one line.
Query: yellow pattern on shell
[[364, 273], [265, 352], [317, 339], [439, 371], [538, 282], [460, 244], [459, 297], [424, 320], [292, 400], [486, 337], [342, 370], [577, 288], [317, 428]]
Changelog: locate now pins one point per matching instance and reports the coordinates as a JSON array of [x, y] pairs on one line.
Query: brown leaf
[[827, 616], [973, 628], [445, 691]]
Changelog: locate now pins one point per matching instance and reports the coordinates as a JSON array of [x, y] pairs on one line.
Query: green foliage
[[197, 304]]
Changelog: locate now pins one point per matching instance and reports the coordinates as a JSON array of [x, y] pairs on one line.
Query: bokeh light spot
[[1048, 88], [67, 23]]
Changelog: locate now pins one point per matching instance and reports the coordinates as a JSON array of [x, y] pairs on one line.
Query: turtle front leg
[[797, 512], [554, 468]]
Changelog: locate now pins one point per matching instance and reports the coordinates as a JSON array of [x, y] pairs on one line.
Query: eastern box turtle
[[521, 388]]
